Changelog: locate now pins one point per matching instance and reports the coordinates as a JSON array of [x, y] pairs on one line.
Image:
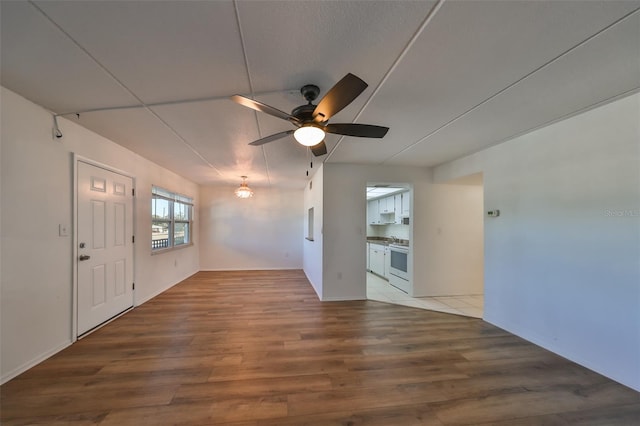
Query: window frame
[[172, 198]]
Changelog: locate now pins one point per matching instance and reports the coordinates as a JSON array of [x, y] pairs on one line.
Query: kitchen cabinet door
[[373, 212], [406, 204], [376, 259], [387, 204], [397, 202]]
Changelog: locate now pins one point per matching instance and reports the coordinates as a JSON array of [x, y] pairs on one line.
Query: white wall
[[261, 232], [562, 262], [36, 194], [435, 259], [345, 225], [312, 250], [456, 232]]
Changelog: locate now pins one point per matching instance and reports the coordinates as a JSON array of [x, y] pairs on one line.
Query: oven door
[[399, 262]]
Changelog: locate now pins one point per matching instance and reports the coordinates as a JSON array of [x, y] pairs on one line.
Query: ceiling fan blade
[[338, 97], [319, 149], [271, 138], [259, 106], [359, 130]]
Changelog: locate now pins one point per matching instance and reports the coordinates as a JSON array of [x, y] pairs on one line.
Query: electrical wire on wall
[[56, 130]]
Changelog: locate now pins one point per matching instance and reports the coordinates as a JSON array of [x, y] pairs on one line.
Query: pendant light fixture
[[243, 190]]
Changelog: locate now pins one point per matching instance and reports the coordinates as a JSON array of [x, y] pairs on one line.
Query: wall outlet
[[493, 213]]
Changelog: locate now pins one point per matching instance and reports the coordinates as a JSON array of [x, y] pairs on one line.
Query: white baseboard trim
[[313, 285], [42, 357], [37, 360], [33, 362], [99, 326], [162, 290], [341, 299], [554, 348], [250, 269]]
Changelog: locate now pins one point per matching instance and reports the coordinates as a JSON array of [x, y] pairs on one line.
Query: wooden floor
[[258, 348]]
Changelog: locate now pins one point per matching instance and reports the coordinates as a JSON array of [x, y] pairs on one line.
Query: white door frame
[[74, 302]]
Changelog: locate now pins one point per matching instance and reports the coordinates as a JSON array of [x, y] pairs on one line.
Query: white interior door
[[105, 245]]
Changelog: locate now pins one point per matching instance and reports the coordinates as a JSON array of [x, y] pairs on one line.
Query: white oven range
[[398, 269]]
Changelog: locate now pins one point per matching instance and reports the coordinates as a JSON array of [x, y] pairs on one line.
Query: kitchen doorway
[[455, 239], [388, 238]]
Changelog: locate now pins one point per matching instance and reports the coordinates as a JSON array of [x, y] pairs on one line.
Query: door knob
[[84, 257]]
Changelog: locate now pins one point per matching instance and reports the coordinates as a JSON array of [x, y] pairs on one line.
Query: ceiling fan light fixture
[[243, 191], [309, 135]]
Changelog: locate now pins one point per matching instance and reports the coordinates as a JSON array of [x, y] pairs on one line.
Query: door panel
[[105, 251], [98, 225], [120, 283], [98, 288], [119, 224]]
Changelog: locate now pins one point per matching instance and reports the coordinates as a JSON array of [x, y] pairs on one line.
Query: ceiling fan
[[312, 120]]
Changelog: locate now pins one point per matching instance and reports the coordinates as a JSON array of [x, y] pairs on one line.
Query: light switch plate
[[63, 230]]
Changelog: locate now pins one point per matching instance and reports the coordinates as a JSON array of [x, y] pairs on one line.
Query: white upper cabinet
[[398, 208], [406, 204], [387, 205], [373, 212], [388, 210]]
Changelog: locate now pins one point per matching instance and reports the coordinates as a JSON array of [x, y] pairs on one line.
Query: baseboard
[[341, 299], [545, 344], [313, 286], [32, 363], [159, 292], [250, 269]]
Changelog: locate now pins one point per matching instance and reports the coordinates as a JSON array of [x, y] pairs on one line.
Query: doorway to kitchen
[[388, 240], [453, 235]]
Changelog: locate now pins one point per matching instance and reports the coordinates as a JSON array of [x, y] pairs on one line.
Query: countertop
[[386, 241]]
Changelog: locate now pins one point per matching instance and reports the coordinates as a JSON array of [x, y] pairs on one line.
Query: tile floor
[[468, 305]]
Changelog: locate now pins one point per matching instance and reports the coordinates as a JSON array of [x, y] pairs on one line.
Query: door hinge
[[133, 238], [133, 192], [133, 286]]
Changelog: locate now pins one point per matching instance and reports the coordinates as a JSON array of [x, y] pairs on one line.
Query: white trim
[[159, 292], [33, 362], [342, 299], [102, 166], [74, 252], [552, 347], [253, 269], [99, 326]]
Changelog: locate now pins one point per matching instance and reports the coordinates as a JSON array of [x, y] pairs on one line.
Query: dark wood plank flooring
[[258, 348]]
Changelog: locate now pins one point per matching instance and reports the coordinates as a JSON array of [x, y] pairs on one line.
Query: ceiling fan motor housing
[[304, 113], [310, 92]]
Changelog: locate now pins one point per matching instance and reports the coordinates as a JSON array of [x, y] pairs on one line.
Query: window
[[171, 219]]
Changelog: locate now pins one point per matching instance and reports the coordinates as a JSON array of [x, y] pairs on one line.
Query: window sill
[[168, 249]]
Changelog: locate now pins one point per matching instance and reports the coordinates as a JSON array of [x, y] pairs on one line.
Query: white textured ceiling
[[448, 77]]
